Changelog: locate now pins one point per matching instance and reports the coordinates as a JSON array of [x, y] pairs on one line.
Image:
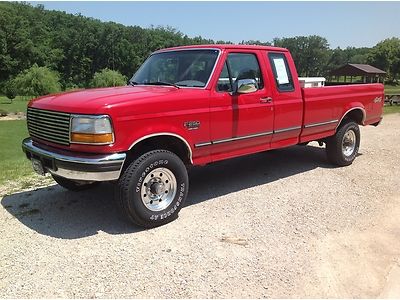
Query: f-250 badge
[[378, 99], [192, 125]]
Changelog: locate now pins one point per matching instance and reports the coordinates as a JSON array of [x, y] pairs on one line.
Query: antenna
[[113, 63]]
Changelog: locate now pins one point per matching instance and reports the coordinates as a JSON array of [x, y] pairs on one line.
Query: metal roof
[[357, 70]]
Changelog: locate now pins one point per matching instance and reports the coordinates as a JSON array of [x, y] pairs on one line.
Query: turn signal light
[[89, 138]]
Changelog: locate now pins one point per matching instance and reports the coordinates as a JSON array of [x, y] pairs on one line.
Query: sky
[[356, 24]]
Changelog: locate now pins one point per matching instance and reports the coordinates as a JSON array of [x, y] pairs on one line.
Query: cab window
[[239, 66]]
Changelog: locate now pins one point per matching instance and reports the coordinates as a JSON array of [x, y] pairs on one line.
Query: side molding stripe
[[233, 139], [320, 123], [287, 129]]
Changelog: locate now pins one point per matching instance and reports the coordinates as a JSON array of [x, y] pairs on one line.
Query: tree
[[108, 78], [37, 81], [310, 53], [386, 56]]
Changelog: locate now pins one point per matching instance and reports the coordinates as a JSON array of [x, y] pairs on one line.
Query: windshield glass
[[191, 68]]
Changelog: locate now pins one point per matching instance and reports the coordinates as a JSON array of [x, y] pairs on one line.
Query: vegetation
[[107, 78], [311, 54], [13, 163], [36, 81], [76, 47], [391, 109], [19, 104], [386, 56], [392, 89]]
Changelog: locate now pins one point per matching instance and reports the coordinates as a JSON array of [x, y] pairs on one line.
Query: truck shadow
[[58, 213]]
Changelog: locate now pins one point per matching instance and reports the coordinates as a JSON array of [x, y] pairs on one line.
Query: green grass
[[13, 163], [387, 109], [17, 105], [392, 89]]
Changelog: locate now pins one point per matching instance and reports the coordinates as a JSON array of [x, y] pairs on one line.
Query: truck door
[[287, 98], [241, 123]]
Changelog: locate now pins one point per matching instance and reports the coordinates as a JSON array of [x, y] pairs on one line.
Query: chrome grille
[[49, 125]]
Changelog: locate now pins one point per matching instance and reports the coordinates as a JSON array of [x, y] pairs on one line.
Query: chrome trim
[[203, 144], [173, 50], [49, 125], [165, 133], [320, 123], [287, 129], [344, 115], [79, 159], [86, 176], [234, 139], [92, 117], [243, 137]]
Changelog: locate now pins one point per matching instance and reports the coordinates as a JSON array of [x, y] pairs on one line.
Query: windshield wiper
[[162, 83], [133, 83]]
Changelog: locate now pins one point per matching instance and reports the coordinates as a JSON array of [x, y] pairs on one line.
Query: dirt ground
[[283, 223]]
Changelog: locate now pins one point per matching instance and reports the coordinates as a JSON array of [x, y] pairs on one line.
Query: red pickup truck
[[186, 106]]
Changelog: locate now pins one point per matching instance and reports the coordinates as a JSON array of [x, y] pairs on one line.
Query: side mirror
[[245, 86]]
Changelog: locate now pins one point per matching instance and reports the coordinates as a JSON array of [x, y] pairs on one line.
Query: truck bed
[[324, 107]]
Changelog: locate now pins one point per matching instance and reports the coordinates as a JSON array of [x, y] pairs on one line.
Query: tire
[[153, 189], [74, 186], [342, 148]]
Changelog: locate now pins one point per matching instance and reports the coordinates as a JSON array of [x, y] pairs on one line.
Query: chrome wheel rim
[[349, 143], [158, 189]]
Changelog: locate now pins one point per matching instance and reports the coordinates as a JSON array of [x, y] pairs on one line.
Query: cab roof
[[225, 46]]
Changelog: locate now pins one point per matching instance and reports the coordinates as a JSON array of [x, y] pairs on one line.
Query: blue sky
[[344, 24]]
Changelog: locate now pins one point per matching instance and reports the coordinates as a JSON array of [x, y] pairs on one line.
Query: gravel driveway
[[277, 224]]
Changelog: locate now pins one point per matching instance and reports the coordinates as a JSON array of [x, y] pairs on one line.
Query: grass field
[[392, 89], [13, 163], [17, 105], [387, 109]]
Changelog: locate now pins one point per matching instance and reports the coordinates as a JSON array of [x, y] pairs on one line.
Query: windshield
[[191, 68]]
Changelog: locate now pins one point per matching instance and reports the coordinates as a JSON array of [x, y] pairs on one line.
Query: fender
[[351, 107], [135, 142]]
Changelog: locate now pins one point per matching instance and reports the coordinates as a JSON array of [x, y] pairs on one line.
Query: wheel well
[[357, 115], [165, 142]]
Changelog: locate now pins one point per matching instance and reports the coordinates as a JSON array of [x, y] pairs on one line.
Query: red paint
[[138, 111]]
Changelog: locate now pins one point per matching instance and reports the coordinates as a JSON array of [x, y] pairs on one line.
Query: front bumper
[[76, 166]]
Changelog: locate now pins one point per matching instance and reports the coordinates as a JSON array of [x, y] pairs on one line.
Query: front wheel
[[153, 189], [342, 148]]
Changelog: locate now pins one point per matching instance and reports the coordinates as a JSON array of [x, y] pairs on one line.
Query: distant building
[[356, 73]]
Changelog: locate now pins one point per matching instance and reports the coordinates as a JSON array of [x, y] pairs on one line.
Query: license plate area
[[38, 166]]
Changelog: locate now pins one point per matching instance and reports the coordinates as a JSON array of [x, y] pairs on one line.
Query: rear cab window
[[282, 75]]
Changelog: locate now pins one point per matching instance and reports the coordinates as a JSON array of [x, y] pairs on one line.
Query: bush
[[3, 113], [37, 81], [108, 78], [10, 90]]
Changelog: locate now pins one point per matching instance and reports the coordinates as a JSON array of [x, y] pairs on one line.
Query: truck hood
[[92, 101]]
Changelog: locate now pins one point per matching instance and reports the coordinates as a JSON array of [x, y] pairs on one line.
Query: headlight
[[91, 130]]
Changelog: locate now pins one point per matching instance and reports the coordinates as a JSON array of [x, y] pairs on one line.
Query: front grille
[[49, 125]]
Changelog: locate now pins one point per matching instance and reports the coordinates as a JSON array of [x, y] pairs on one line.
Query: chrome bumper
[[76, 166]]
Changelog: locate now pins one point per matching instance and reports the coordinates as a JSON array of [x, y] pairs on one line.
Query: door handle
[[265, 99]]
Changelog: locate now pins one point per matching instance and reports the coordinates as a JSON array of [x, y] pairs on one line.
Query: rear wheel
[[73, 185], [342, 148], [153, 189]]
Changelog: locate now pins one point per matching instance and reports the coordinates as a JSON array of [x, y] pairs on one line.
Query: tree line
[[73, 48]]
